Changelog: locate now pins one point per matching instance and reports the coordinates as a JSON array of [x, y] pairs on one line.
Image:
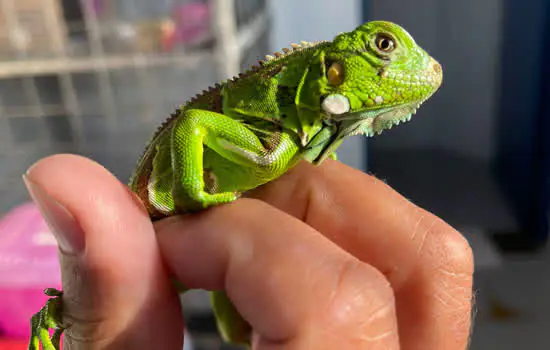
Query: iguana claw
[[49, 317]]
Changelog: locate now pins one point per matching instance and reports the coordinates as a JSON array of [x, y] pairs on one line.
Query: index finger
[[428, 263]]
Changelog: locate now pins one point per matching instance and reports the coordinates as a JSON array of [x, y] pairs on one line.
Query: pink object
[[192, 22], [28, 265]]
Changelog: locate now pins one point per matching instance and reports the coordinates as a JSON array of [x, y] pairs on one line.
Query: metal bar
[[96, 49], [55, 32], [252, 31], [31, 91], [68, 91], [69, 96], [12, 23], [29, 86], [147, 84], [6, 139], [3, 114], [76, 65], [29, 111], [224, 28], [72, 107]]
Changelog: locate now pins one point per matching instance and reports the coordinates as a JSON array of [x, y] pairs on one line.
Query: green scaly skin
[[247, 131]]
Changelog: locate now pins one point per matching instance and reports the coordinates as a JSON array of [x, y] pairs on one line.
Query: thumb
[[116, 292]]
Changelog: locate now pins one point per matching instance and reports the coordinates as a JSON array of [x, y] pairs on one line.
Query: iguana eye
[[385, 43], [335, 74]]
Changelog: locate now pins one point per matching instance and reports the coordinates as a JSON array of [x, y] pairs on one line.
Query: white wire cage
[[96, 77]]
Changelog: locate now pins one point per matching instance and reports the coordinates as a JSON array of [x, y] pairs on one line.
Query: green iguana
[[296, 105]]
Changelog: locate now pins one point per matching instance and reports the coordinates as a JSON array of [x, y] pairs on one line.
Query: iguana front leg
[[230, 139], [49, 317], [235, 142]]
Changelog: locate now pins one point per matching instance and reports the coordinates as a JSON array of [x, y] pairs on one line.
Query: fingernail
[[67, 231]]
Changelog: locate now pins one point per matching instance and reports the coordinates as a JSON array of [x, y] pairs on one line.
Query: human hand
[[328, 257]]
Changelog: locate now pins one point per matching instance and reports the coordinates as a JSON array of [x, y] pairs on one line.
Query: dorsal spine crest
[[216, 88]]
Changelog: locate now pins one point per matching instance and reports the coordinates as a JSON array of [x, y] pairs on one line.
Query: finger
[[296, 288], [428, 263], [117, 294]]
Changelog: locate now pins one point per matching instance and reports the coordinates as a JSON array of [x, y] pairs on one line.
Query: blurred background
[[96, 77]]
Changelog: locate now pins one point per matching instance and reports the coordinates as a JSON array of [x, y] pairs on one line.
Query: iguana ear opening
[[335, 74]]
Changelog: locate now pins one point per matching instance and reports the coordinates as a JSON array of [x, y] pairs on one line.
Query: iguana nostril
[[438, 71], [436, 67]]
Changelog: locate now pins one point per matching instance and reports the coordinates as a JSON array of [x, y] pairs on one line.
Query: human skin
[[323, 257]]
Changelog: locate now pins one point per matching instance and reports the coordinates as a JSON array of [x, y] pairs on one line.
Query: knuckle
[[447, 264], [361, 289], [362, 307], [457, 253], [446, 249]]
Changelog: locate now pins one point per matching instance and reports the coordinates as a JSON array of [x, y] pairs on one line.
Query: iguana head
[[375, 77]]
